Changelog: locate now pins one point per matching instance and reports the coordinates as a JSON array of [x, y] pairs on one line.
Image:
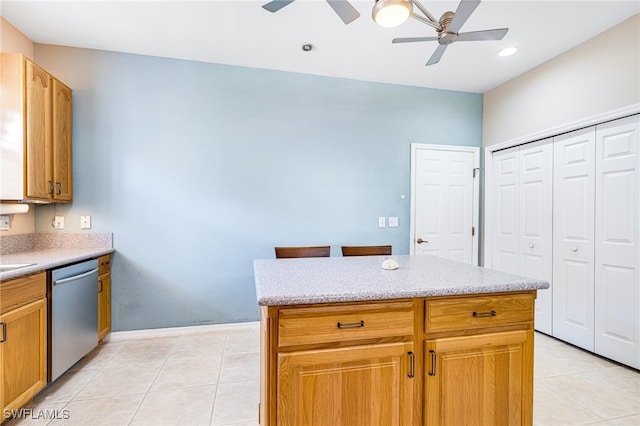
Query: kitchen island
[[345, 342]]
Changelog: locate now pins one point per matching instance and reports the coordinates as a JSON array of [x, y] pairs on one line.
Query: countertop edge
[[386, 295], [57, 258]]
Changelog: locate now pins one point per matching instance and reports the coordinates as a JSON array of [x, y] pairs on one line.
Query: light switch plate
[[4, 223], [58, 222], [382, 222], [85, 222], [393, 221]]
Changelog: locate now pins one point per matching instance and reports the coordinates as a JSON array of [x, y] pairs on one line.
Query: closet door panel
[[505, 248], [573, 237], [617, 301], [535, 238]]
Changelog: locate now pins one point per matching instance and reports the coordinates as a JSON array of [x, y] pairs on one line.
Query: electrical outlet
[[393, 221], [4, 223], [85, 222], [382, 222], [58, 222]]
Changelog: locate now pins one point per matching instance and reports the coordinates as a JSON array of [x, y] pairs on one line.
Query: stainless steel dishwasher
[[74, 315]]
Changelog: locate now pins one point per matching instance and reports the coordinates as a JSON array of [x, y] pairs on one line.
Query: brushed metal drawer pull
[[432, 372], [99, 286], [412, 361], [484, 314], [59, 185], [350, 325], [4, 332]]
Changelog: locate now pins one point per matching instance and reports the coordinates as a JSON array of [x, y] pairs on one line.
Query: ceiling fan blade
[[344, 10], [496, 34], [276, 5], [413, 39], [435, 58], [465, 9]]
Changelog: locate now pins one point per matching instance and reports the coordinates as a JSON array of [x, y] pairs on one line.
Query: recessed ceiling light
[[508, 51]]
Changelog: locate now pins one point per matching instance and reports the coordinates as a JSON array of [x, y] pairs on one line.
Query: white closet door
[[505, 184], [573, 237], [535, 216], [617, 287]]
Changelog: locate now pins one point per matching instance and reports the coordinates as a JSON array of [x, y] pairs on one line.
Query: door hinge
[[473, 231], [475, 170]]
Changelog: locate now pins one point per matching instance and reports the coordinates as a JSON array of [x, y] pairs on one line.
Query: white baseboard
[[179, 331]]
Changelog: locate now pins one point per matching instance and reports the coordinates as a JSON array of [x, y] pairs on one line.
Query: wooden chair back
[[366, 250], [291, 252]]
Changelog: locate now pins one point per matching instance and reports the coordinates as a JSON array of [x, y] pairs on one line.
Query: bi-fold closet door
[[596, 221], [522, 181]]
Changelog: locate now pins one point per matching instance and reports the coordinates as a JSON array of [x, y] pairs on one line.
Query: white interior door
[[505, 181], [617, 286], [445, 202], [535, 239], [573, 237]]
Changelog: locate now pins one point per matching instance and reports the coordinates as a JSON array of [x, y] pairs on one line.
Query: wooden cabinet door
[[364, 385], [62, 130], [38, 127], [479, 380], [104, 305], [23, 354]]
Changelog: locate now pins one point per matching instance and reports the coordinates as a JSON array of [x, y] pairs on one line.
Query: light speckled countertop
[[359, 278], [48, 259]]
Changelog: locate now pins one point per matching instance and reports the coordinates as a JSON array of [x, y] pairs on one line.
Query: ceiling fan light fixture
[[508, 51], [391, 13]]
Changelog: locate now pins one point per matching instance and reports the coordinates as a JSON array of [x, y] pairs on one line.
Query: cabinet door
[[62, 130], [617, 286], [325, 387], [479, 380], [23, 354], [104, 305], [505, 187], [535, 239], [573, 237], [38, 127]]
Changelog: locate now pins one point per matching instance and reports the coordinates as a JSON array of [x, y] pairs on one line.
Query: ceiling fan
[[446, 27], [343, 8]]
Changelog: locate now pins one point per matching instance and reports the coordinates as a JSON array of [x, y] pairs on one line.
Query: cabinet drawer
[[22, 291], [324, 324], [104, 264], [457, 313]]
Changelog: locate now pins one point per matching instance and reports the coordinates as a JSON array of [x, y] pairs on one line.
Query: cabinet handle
[[350, 325], [50, 187], [412, 364], [432, 372], [4, 332], [99, 286], [484, 314], [59, 188]]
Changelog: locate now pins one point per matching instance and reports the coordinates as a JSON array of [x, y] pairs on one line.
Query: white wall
[[600, 75]]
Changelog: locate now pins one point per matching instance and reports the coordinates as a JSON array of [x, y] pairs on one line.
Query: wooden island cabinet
[[458, 358]]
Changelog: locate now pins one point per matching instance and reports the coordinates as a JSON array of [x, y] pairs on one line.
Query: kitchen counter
[[361, 278], [47, 259]]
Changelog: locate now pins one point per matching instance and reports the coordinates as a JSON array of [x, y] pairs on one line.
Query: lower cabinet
[[104, 296], [452, 360], [327, 387], [23, 340], [479, 380]]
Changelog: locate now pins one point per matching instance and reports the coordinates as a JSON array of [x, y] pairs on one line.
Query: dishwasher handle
[[75, 277]]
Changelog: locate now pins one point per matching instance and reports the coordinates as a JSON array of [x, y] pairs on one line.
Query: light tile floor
[[211, 378]]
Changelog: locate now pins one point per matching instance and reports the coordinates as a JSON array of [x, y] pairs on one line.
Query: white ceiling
[[240, 32]]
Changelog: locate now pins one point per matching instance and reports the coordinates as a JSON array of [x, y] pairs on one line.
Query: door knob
[[420, 241], [531, 245], [575, 249]]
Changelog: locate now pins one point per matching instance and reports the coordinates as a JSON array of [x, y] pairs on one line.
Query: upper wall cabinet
[[35, 149]]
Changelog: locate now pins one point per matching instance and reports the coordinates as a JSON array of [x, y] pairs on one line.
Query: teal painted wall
[[198, 169]]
